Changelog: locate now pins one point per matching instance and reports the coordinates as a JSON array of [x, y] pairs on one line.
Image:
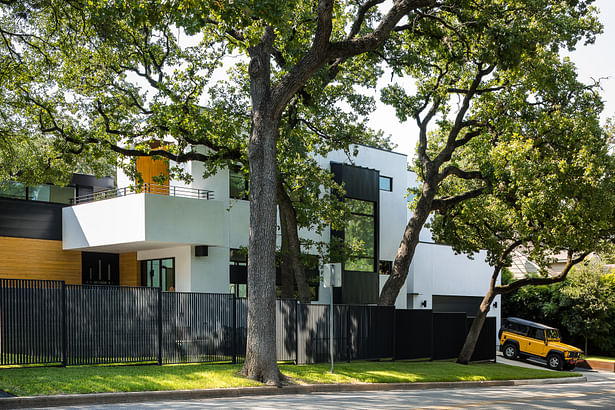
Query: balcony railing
[[147, 188]]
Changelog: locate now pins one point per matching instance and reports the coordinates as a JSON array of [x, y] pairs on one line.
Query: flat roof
[[382, 149], [527, 323]]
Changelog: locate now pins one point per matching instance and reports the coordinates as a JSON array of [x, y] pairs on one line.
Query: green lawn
[[94, 379]]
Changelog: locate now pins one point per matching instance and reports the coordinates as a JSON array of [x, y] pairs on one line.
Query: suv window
[[517, 328], [538, 334]]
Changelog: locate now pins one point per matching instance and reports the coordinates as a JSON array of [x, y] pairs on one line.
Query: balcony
[[176, 191], [128, 220]]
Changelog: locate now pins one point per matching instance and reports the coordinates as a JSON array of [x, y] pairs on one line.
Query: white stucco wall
[[112, 221], [146, 219], [239, 222], [210, 273], [185, 220]]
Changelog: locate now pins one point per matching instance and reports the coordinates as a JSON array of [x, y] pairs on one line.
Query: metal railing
[[177, 191]]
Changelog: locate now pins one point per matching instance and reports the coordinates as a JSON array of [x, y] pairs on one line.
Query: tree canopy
[[481, 71], [551, 184]]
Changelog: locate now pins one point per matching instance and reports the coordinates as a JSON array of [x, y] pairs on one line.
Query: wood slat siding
[[130, 270], [38, 259], [150, 168]]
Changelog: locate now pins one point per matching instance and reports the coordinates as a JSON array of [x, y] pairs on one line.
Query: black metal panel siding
[[109, 324], [30, 219], [485, 346], [449, 333], [30, 322], [359, 183], [413, 334], [359, 287], [467, 304], [91, 181]]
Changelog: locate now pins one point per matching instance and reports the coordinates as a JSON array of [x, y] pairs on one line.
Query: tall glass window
[[159, 273], [361, 227], [238, 185]]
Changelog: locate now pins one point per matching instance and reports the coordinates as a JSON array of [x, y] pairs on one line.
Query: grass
[[603, 358], [410, 372], [97, 379]]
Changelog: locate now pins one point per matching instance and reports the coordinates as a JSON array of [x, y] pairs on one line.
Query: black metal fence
[[48, 322]]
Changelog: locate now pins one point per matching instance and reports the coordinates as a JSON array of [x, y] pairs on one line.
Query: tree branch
[[453, 170], [442, 204], [511, 287]]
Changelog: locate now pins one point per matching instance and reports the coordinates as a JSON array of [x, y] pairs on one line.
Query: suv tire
[[510, 351], [555, 361]]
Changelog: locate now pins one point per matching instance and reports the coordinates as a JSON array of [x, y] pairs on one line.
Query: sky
[[595, 61]]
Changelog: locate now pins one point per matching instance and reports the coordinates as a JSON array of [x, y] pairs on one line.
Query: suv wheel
[[555, 362], [510, 351]]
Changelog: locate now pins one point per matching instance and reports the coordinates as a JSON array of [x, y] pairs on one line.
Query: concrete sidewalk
[[131, 397]]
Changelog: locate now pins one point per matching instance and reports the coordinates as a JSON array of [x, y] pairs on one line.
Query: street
[[597, 392]]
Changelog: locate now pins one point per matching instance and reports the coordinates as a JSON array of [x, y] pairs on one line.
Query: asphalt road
[[597, 392]]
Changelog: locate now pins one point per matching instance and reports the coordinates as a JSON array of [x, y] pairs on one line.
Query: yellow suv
[[523, 338]]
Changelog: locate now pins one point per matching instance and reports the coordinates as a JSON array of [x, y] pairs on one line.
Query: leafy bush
[[582, 307]]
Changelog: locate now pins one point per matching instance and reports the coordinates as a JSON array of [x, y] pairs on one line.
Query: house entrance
[[100, 268]]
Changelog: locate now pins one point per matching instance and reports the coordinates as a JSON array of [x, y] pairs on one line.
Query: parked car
[[523, 338]]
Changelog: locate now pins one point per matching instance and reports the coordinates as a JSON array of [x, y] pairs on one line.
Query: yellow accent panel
[[150, 168], [130, 274], [38, 259]]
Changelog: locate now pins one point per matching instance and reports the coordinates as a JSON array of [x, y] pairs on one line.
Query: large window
[[159, 273], [238, 184], [43, 193], [361, 229]]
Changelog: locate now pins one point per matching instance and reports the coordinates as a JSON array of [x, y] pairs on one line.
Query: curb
[[131, 397]]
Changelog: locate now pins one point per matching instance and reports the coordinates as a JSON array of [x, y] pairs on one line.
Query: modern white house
[[189, 237]]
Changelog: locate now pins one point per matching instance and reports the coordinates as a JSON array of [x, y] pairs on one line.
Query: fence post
[[297, 306], [394, 333], [159, 326], [64, 327], [234, 344], [348, 334]]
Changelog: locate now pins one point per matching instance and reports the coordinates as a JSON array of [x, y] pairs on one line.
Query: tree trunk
[[586, 347], [289, 216], [408, 244], [477, 325], [260, 363], [287, 290]]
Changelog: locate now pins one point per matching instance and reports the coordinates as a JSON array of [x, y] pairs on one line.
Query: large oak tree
[[78, 66]]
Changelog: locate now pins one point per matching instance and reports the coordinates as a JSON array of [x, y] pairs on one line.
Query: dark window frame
[[390, 183], [365, 256], [144, 272]]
